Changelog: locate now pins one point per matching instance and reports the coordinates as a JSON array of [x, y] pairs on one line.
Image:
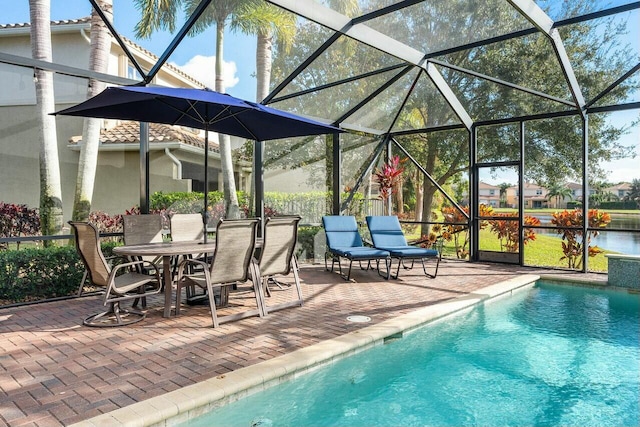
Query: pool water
[[547, 356]]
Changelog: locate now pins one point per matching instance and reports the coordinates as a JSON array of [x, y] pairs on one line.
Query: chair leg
[[212, 305], [84, 278], [435, 273]]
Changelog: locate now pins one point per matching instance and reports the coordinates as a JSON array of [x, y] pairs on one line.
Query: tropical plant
[[388, 176], [558, 192], [508, 230], [88, 161], [569, 225], [18, 220], [455, 227], [51, 219]]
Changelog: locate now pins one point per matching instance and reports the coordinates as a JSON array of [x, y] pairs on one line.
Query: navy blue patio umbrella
[[197, 108]]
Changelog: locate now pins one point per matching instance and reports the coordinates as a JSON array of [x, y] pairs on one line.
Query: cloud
[[203, 68]]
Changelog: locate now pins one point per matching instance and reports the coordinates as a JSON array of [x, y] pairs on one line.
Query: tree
[[634, 193], [51, 218], [157, 14], [268, 23], [558, 192], [98, 62]]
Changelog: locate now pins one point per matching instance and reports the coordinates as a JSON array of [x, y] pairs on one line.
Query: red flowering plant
[[460, 233], [388, 177], [572, 239], [507, 230]]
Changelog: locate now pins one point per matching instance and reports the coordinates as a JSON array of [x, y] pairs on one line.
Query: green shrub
[[306, 236], [36, 274]]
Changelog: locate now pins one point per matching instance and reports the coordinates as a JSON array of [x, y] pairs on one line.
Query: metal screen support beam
[[585, 192], [474, 225], [530, 10], [144, 168], [336, 182], [521, 196], [340, 23]]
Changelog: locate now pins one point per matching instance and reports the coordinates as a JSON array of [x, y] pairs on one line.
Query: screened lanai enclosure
[[495, 126]]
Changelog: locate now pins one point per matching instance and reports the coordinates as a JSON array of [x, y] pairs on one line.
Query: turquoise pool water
[[547, 356]]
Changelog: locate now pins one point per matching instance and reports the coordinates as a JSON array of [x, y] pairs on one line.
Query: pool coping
[[189, 402]]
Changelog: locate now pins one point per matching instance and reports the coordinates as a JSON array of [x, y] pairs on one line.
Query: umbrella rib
[[233, 116], [197, 117]]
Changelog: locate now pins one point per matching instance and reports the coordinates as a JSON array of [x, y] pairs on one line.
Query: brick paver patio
[[57, 372]]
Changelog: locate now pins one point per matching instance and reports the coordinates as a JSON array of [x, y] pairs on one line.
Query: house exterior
[[489, 194], [176, 154], [620, 190]]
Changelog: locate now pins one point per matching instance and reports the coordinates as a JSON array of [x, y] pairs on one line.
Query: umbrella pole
[[205, 214]]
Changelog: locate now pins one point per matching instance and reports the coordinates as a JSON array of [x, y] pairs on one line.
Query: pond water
[[623, 242]]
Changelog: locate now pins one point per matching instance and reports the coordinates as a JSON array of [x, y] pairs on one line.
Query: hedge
[[36, 274]]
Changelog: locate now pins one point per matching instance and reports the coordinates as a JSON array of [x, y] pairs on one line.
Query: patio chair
[[277, 256], [141, 229], [344, 241], [121, 282], [232, 263], [387, 234], [187, 227]]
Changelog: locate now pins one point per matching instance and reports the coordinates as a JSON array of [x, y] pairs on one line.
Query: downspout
[[175, 161], [83, 33]]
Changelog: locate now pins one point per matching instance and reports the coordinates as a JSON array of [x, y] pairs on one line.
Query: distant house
[[535, 196], [620, 190], [489, 194], [176, 154]]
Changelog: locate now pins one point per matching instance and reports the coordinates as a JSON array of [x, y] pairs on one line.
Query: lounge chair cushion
[[386, 231], [387, 234], [410, 252], [361, 252], [342, 232]]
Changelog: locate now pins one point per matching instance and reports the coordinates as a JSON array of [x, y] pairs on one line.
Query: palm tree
[[558, 191], [98, 61], [50, 185], [503, 194], [266, 22], [162, 14]]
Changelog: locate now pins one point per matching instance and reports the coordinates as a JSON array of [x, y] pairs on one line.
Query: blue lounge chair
[[344, 241], [387, 234]]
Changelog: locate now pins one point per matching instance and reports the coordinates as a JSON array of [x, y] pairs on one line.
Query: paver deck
[[57, 372]]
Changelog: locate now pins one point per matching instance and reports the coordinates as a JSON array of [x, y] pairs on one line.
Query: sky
[[196, 56]]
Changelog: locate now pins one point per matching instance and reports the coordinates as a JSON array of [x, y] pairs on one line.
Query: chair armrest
[[141, 263]]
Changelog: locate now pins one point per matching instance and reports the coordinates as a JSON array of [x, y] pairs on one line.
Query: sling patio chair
[[121, 282], [232, 263], [188, 227], [387, 234], [277, 257], [344, 241]]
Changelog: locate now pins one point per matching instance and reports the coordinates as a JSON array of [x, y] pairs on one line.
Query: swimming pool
[[548, 355]]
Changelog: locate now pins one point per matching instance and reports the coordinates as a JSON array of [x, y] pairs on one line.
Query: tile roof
[[128, 132], [84, 20], [131, 43]]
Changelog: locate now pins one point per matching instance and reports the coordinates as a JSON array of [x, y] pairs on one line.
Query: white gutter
[[175, 161], [83, 33]]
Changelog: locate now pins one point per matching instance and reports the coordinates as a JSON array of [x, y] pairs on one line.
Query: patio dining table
[[166, 250]]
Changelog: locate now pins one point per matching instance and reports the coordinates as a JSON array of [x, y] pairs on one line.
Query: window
[[492, 192], [539, 192]]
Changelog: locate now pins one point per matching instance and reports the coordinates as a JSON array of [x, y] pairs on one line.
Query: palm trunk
[[99, 59], [263, 79], [51, 218], [228, 182]]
